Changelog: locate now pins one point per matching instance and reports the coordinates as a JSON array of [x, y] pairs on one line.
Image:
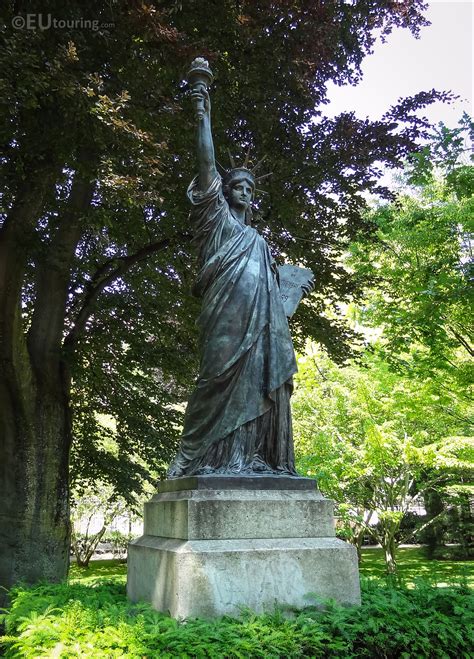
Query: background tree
[[376, 440], [102, 501], [421, 299], [92, 499], [94, 242], [421, 264]]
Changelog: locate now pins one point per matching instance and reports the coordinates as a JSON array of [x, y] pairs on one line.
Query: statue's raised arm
[[199, 78]]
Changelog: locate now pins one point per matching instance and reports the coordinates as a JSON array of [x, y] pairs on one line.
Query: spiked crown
[[244, 171]]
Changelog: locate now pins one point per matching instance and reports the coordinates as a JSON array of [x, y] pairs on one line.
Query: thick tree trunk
[[34, 514], [35, 425]]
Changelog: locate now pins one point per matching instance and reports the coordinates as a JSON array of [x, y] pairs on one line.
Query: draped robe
[[238, 418]]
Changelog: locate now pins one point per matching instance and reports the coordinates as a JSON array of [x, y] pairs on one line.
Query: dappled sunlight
[[412, 565], [115, 569]]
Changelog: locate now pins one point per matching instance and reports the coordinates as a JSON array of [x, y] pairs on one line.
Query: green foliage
[[420, 306], [366, 419], [376, 439], [119, 542], [97, 620], [445, 155], [421, 264]]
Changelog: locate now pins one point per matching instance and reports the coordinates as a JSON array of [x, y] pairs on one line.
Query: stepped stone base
[[215, 544]]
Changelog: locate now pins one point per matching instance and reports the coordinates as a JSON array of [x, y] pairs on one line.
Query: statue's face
[[240, 193]]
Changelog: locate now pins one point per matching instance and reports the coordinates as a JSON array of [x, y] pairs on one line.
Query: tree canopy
[[398, 424], [421, 263], [376, 440]]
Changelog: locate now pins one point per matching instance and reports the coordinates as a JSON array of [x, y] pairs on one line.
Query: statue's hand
[[308, 286], [200, 99]]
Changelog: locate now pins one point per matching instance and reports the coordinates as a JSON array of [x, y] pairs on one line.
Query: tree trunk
[[359, 539], [434, 533], [85, 549], [390, 548], [466, 527], [387, 537], [389, 544], [35, 423], [34, 514]]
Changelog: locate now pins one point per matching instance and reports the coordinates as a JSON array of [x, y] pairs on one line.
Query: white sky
[[442, 58]]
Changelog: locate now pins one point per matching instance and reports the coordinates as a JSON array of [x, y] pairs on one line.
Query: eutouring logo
[[48, 22]]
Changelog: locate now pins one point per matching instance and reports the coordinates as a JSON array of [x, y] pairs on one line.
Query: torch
[[200, 75]]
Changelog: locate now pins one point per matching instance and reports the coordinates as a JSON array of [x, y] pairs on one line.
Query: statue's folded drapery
[[238, 417]]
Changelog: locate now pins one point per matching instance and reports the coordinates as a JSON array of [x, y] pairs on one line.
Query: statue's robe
[[238, 418]]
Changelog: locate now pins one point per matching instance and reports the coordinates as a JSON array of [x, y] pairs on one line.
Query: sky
[[442, 58]]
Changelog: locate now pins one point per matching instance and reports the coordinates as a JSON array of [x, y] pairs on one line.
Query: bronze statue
[[238, 419]]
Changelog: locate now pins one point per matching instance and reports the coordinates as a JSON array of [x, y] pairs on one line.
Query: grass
[[112, 570], [412, 565]]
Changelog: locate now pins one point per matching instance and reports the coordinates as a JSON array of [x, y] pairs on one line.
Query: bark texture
[[34, 517], [35, 423]]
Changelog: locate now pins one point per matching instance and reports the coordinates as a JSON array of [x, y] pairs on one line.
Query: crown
[[243, 170]]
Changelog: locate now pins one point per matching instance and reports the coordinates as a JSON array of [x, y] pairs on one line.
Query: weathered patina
[[238, 419]]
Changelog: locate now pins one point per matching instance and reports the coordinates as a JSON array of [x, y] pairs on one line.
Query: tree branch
[[53, 273], [104, 277], [16, 238], [461, 340]]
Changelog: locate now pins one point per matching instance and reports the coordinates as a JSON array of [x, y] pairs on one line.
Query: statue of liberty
[[238, 419]]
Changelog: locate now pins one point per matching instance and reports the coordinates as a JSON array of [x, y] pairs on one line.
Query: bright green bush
[[97, 621]]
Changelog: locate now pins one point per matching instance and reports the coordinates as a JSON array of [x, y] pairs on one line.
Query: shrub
[[97, 621], [119, 542]]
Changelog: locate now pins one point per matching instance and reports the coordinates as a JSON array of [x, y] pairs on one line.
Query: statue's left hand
[[308, 286]]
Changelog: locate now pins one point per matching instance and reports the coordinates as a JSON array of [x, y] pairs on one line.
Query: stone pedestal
[[214, 544]]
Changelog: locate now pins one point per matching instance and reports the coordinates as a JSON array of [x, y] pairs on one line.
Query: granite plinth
[[206, 578], [238, 514], [207, 552]]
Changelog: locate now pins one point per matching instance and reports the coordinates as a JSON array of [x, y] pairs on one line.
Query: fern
[[95, 620]]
